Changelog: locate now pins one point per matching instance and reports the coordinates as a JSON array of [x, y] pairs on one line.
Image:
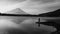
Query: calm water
[[23, 25]]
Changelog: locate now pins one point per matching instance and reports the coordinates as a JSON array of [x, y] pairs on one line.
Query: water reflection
[[23, 25]]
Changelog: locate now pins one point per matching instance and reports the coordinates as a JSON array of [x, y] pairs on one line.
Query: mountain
[[55, 13], [16, 11]]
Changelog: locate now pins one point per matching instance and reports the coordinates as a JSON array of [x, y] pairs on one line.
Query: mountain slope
[[16, 11]]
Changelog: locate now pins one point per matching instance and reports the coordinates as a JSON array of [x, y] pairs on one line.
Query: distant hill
[[16, 11], [55, 13]]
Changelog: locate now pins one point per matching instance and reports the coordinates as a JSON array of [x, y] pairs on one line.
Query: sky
[[32, 7], [29, 6]]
